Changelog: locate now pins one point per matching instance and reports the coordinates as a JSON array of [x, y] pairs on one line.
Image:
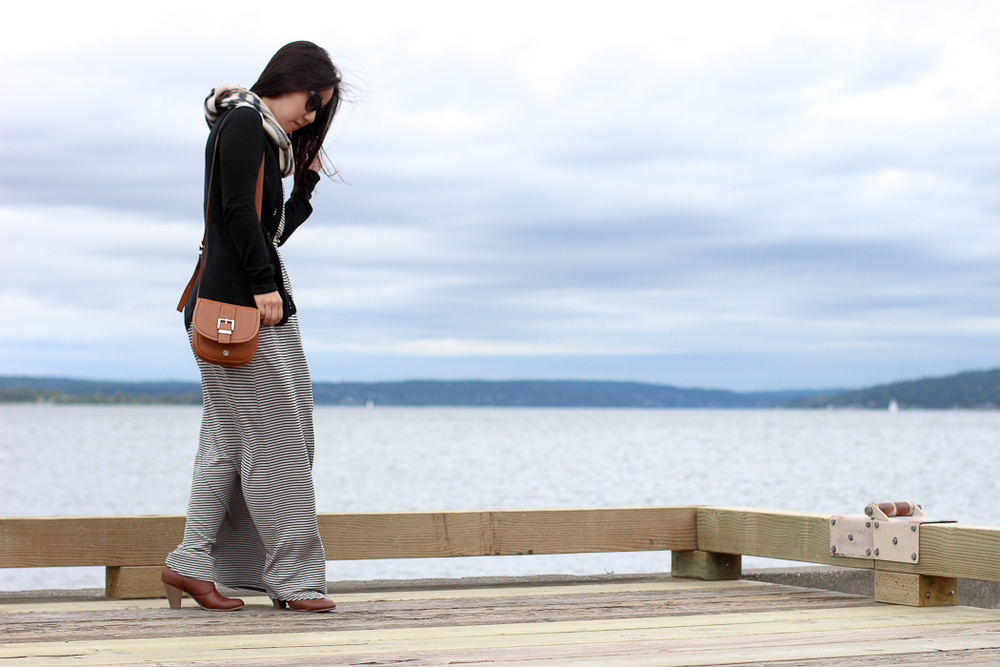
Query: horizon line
[[552, 380]]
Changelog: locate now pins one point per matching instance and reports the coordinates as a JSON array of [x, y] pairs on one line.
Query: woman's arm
[[298, 208], [241, 148]]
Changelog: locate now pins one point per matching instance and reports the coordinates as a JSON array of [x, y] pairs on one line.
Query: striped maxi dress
[[251, 520]]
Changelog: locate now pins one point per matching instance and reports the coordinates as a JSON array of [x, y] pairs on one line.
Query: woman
[[251, 519]]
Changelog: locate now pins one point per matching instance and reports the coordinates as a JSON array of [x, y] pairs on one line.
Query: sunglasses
[[315, 102]]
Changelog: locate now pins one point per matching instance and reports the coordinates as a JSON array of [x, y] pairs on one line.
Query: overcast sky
[[715, 194]]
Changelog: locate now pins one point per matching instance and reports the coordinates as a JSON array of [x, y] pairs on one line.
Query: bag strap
[[258, 200]]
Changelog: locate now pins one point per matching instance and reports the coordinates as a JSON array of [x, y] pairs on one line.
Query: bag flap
[[212, 318]]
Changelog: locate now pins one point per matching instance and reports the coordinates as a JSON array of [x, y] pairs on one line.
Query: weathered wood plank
[[915, 590], [145, 540], [82, 541], [429, 597], [507, 532], [728, 624], [706, 565], [463, 640], [697, 650], [946, 550], [134, 583], [964, 658], [615, 623], [885, 653], [646, 654], [626, 623], [107, 619], [259, 618], [802, 536], [659, 654], [957, 550]]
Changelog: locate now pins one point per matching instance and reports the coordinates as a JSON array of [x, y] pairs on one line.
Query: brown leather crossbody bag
[[224, 334]]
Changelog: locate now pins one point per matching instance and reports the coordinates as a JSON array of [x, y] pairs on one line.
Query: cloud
[[722, 184]]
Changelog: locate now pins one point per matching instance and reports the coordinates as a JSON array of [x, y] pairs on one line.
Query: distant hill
[[544, 393], [969, 390], [972, 389], [516, 393], [63, 390]]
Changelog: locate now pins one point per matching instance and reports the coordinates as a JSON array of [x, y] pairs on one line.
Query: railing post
[[133, 583], [705, 565], [915, 590]]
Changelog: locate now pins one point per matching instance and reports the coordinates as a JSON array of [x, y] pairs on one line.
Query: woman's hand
[[269, 306]]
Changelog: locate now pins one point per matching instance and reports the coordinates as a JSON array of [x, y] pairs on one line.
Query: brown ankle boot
[[316, 605], [203, 592]]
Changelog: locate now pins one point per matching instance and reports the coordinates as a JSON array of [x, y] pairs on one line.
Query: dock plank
[[152, 618], [525, 644], [660, 621]]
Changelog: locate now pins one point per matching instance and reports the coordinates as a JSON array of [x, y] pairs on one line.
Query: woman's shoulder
[[239, 130], [240, 121]]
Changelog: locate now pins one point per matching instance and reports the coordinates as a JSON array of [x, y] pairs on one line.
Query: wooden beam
[[506, 532], [959, 550], [88, 540], [802, 536], [946, 550], [954, 550], [146, 540]]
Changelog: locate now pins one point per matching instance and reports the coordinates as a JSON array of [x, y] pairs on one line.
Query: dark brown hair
[[303, 66]]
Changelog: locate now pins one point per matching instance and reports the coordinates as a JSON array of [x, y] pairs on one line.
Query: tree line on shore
[[968, 390]]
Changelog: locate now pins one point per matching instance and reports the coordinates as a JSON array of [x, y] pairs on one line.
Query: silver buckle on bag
[[226, 320]]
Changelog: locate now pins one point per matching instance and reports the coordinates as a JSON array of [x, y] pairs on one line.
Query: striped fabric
[[251, 520]]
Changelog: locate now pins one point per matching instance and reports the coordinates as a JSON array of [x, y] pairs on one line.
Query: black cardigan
[[240, 261]]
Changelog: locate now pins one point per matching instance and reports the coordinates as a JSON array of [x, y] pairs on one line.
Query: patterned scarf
[[231, 96]]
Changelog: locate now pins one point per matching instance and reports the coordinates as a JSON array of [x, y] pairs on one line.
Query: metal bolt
[[868, 511], [868, 524], [833, 550], [913, 556], [833, 522], [868, 552], [927, 594], [895, 540], [850, 537], [951, 592], [913, 529], [876, 525], [876, 552]]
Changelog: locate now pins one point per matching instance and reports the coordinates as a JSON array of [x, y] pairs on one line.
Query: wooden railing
[[706, 543]]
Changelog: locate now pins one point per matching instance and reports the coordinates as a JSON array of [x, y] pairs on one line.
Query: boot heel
[[173, 595], [203, 592], [278, 604]]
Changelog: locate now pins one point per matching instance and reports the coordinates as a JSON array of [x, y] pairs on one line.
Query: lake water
[[115, 460]]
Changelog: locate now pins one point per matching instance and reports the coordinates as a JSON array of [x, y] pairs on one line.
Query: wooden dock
[[703, 613], [601, 622]]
